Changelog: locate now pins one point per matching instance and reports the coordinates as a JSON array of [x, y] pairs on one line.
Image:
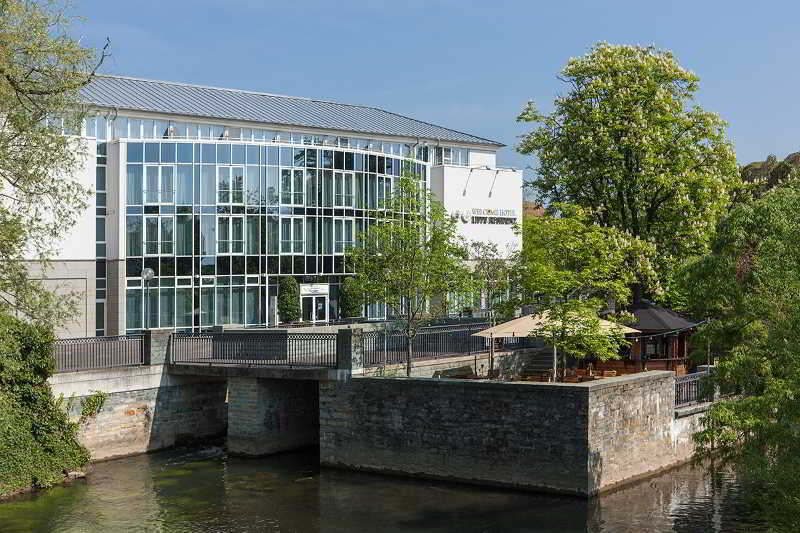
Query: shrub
[[38, 442], [351, 300], [288, 300]]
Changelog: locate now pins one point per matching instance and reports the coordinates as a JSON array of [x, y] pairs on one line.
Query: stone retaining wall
[[578, 438], [146, 409]]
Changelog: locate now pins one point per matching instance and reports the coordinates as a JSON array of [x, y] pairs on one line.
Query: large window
[[291, 235], [230, 235], [292, 186], [343, 189], [230, 185], [343, 235], [158, 236]]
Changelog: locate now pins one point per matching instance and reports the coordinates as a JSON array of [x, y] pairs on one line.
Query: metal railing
[[430, 343], [277, 348], [693, 388], [87, 353]]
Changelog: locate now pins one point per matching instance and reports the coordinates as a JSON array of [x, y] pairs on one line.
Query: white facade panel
[[482, 158], [79, 242], [486, 203]]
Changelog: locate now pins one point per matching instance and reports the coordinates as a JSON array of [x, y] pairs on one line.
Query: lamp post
[[147, 277]]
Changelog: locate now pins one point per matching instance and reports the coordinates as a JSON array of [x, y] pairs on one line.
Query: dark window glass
[[272, 265], [167, 152], [183, 266], [135, 151], [151, 153], [299, 157], [253, 153], [311, 265], [286, 265], [133, 267], [373, 163], [327, 159], [389, 165], [237, 265], [100, 267], [167, 266], [359, 161], [348, 161], [252, 264], [311, 158], [299, 264], [338, 160], [381, 165], [223, 154], [152, 262], [223, 265], [100, 178], [237, 154], [184, 153]]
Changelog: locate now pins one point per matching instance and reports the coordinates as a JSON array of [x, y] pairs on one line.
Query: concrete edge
[[689, 410]]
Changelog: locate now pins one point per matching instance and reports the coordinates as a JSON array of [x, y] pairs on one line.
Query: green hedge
[[288, 300], [38, 442]]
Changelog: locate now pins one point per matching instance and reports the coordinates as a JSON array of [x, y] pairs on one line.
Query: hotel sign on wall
[[498, 216]]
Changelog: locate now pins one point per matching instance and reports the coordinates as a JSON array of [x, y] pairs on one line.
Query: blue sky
[[466, 65]]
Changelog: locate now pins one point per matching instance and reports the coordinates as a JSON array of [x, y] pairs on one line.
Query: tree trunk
[[409, 350]]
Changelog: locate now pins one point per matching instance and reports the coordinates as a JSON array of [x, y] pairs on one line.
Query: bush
[[288, 300], [351, 300], [38, 442]]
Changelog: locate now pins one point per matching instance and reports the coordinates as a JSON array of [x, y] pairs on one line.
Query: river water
[[206, 491]]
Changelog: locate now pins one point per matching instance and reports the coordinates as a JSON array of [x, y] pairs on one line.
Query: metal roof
[[652, 317], [137, 94]]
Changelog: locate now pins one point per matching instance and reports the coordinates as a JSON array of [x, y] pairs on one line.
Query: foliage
[[411, 258], [92, 404], [492, 272], [42, 69], [569, 269], [288, 300], [351, 300], [38, 443], [623, 142], [750, 285]]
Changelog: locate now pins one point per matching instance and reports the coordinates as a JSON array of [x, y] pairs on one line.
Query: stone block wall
[[271, 415], [146, 409], [516, 434], [579, 438]]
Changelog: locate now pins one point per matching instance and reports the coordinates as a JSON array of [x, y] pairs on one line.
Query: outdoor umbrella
[[525, 325]]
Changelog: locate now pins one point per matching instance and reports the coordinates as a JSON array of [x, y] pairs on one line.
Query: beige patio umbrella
[[525, 325]]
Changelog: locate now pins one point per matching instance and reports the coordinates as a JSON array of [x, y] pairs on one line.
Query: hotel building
[[222, 192]]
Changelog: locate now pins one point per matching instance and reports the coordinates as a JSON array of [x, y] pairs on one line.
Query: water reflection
[[207, 491]]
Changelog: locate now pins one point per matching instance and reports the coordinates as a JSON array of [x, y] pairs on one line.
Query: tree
[[570, 269], [491, 270], [411, 258], [38, 442], [288, 300], [351, 301], [750, 285], [42, 70], [624, 143]]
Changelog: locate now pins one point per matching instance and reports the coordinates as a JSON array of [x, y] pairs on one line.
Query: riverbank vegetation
[[42, 69], [38, 442]]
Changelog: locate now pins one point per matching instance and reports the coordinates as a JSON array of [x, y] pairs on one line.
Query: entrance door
[[315, 308]]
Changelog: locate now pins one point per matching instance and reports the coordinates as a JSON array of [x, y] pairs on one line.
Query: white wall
[[480, 158], [462, 189], [79, 241]]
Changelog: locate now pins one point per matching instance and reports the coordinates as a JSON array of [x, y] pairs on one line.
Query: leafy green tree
[[38, 442], [750, 285], [288, 300], [411, 258], [42, 69], [624, 142], [570, 269], [491, 270], [351, 301]]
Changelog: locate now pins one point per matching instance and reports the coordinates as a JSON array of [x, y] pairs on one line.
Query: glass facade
[[220, 222]]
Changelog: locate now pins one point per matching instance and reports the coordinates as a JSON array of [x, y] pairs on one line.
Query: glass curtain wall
[[219, 223]]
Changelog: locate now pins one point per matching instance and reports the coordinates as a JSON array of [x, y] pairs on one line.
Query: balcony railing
[[88, 353]]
